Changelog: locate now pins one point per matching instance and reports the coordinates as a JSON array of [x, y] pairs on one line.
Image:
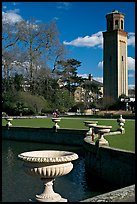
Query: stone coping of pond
[[87, 140], [45, 128], [89, 121], [103, 127], [126, 194]]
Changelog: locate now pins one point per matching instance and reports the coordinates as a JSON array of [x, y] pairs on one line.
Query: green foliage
[[9, 100], [28, 56], [78, 106], [18, 81], [62, 100], [123, 96], [67, 70], [33, 102], [24, 103]]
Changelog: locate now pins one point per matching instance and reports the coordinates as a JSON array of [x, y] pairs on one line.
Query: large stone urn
[[48, 164], [56, 120], [101, 130], [91, 125], [9, 124]]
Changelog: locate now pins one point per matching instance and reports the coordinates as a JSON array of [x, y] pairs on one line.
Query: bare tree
[[10, 38], [35, 42], [40, 42]]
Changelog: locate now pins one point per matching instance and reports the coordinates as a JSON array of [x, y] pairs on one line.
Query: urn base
[[103, 142], [60, 200]]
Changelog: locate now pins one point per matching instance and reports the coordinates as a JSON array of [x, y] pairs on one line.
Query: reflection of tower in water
[[10, 157]]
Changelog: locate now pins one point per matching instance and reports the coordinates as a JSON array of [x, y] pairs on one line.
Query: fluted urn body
[[48, 164], [101, 130]]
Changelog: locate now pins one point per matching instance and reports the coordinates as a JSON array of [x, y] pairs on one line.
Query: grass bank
[[123, 141]]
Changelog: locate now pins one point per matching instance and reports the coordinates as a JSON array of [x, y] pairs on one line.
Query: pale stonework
[[121, 122], [101, 130], [56, 120], [115, 69], [48, 164], [91, 125], [9, 124]]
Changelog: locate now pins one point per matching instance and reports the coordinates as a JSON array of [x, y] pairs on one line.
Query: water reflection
[[20, 187], [10, 157]]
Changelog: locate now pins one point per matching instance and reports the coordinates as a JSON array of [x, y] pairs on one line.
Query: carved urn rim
[[48, 156], [56, 119], [90, 122], [9, 119], [103, 127], [91, 125]]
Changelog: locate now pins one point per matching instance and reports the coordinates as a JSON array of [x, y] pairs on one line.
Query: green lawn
[[123, 141]]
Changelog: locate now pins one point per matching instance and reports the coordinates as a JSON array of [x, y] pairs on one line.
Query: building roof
[[95, 82]]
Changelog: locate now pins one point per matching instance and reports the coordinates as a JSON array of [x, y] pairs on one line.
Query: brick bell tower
[[115, 69]]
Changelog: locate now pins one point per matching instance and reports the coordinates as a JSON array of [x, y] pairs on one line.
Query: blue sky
[[80, 25]]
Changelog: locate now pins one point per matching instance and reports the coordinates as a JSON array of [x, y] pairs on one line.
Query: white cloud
[[63, 5], [56, 18], [131, 39], [131, 75], [131, 63], [131, 86], [26, 64], [95, 40], [4, 7], [100, 64], [11, 17], [85, 76], [32, 25], [38, 21], [100, 79]]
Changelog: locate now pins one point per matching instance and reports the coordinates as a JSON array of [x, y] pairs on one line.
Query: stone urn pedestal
[[56, 120], [101, 130], [48, 164], [91, 125]]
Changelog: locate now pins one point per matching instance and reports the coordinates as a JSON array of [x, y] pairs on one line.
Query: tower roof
[[115, 12]]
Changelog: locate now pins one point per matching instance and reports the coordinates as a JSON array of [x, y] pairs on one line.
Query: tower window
[[122, 58], [121, 24], [116, 24], [110, 58], [110, 25]]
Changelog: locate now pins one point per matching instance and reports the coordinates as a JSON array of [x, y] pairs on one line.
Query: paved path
[[129, 199], [126, 194]]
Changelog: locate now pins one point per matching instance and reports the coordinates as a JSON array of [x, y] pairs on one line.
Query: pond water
[[17, 186]]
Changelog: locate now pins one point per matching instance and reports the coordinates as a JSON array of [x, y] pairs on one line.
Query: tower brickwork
[[115, 71]]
